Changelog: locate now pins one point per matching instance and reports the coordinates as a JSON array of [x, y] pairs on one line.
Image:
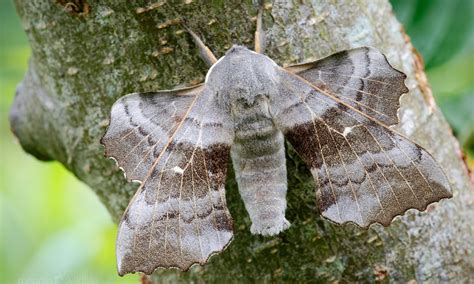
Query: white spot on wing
[[347, 130], [178, 170]]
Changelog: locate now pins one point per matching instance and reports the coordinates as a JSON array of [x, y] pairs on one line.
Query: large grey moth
[[335, 112]]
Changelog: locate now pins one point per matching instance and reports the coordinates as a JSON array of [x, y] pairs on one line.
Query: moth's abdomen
[[258, 155]]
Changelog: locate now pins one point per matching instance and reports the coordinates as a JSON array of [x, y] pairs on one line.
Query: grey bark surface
[[85, 55]]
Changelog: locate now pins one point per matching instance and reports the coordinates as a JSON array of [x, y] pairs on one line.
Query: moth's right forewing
[[366, 172], [178, 216], [360, 77]]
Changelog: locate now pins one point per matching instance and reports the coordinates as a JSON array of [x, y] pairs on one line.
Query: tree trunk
[[85, 55]]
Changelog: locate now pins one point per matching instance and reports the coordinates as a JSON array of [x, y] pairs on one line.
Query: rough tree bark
[[85, 55]]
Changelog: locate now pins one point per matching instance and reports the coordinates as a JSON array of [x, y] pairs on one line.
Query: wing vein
[[347, 174], [210, 195], [368, 175], [324, 161], [356, 77], [342, 161], [393, 163], [357, 90], [144, 138], [414, 165], [378, 168], [169, 195], [146, 122], [367, 107]]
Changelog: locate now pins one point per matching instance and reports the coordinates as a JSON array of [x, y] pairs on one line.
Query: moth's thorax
[[242, 75]]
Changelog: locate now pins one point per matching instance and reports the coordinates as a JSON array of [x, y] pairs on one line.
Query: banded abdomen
[[258, 156]]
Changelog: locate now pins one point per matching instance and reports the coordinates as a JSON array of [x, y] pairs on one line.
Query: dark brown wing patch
[[179, 216]]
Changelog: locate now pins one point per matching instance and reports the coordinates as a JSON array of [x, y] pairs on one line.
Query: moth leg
[[204, 51], [259, 33]]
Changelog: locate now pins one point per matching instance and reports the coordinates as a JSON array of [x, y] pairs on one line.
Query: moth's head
[[242, 74]]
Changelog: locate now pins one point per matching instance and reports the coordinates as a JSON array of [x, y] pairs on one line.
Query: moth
[[336, 114]]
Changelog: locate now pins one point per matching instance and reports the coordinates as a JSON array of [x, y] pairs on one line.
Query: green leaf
[[443, 32], [439, 29]]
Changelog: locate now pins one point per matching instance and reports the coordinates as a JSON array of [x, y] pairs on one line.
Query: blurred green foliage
[[443, 32], [54, 229]]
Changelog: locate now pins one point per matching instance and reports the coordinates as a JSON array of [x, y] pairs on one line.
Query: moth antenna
[[259, 33], [204, 51]]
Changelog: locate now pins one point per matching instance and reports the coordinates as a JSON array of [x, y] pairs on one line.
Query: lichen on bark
[[83, 59]]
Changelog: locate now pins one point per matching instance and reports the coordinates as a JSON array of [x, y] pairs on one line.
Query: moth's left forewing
[[177, 144], [366, 172]]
